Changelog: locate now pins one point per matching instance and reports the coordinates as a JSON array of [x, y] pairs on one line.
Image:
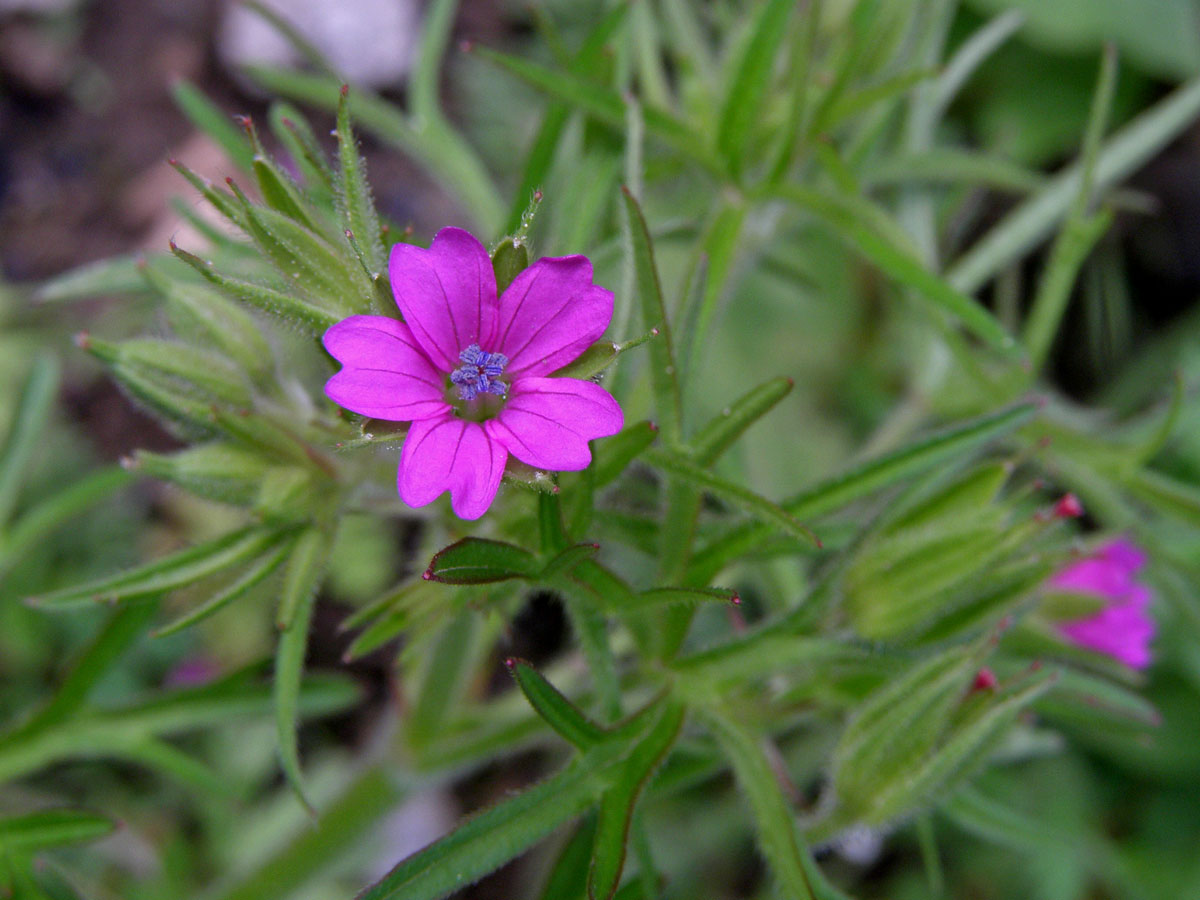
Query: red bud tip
[[349, 234], [820, 543], [172, 246], [510, 661], [287, 123], [537, 196], [985, 680], [172, 161], [427, 574], [83, 340], [736, 599], [408, 229], [791, 382], [595, 546], [345, 90], [653, 426], [654, 331], [229, 180], [554, 489], [244, 121], [1068, 507]]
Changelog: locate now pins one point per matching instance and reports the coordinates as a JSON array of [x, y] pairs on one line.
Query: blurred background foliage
[[1091, 795]]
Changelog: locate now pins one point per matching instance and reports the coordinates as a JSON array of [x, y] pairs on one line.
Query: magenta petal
[[449, 454], [548, 422], [385, 374], [447, 294], [550, 314]]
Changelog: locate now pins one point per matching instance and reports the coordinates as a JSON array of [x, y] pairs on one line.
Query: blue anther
[[478, 373]]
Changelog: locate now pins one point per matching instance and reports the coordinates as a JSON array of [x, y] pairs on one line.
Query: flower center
[[479, 373]]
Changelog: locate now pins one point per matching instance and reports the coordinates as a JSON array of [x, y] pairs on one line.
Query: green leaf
[[614, 454], [758, 655], [541, 154], [1031, 222], [116, 275], [479, 561], [51, 828], [124, 627], [58, 510], [568, 559], [255, 573], [214, 122], [898, 262], [607, 106], [731, 423], [304, 573], [656, 598], [558, 712], [443, 674], [617, 805], [788, 858], [344, 825], [568, 879], [177, 570], [289, 673], [32, 411], [750, 81], [663, 374], [841, 490], [756, 505], [354, 201], [292, 309]]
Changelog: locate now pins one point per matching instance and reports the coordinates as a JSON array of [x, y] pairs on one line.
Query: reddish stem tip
[[345, 90], [510, 661], [1068, 507], [427, 574], [172, 246], [985, 680], [172, 161], [537, 196], [83, 340], [229, 180], [736, 599]]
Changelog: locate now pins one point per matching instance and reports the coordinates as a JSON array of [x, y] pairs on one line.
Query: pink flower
[[470, 371], [1123, 629]]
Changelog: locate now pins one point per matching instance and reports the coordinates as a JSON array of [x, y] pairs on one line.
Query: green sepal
[[210, 318], [288, 307], [218, 470], [509, 259], [353, 193]]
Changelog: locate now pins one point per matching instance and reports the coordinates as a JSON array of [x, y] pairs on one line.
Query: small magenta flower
[[1123, 629], [470, 370]]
